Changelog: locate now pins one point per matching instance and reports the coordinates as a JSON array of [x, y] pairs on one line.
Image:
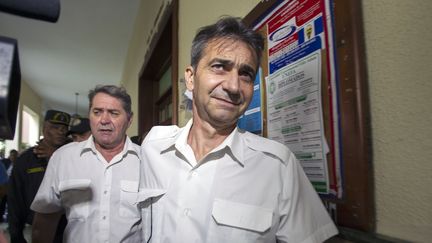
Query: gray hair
[[226, 27], [114, 91]]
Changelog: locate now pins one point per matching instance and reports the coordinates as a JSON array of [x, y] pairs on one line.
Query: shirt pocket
[[76, 195], [129, 199], [240, 222]]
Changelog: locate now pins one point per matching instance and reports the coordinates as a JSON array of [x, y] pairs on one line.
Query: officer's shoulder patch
[[35, 170], [161, 132], [266, 145]]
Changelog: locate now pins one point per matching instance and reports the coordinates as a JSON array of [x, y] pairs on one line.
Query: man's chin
[[104, 143], [224, 121]]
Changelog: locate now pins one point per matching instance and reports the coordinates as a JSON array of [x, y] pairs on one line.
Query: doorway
[[158, 81]]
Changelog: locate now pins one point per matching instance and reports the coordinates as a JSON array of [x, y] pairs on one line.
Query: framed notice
[[314, 98], [301, 95]]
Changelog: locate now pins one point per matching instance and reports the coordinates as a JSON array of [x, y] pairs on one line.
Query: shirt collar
[[232, 145], [237, 146], [127, 148], [181, 141]]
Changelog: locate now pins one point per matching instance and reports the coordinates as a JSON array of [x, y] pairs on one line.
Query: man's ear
[[130, 119], [189, 78]]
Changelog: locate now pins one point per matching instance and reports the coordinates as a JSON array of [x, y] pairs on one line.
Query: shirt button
[[104, 217], [192, 174], [187, 212], [105, 192]]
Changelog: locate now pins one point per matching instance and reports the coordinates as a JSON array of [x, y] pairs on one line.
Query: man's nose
[[232, 82], [63, 129], [105, 118]]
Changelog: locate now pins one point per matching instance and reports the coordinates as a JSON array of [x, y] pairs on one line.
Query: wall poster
[[301, 88], [252, 119]]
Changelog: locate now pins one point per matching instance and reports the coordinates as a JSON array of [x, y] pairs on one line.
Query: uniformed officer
[[29, 170]]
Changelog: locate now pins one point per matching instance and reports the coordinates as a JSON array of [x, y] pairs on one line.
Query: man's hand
[[43, 150]]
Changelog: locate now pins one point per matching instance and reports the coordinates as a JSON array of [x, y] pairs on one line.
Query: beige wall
[[30, 99], [398, 42], [399, 51]]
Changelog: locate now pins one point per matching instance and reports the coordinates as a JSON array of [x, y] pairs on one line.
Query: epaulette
[[266, 145]]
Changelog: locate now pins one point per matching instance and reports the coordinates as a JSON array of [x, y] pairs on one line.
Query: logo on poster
[[309, 31], [282, 33], [272, 87]]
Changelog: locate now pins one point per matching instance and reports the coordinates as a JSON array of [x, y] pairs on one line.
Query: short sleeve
[[303, 216], [47, 199]]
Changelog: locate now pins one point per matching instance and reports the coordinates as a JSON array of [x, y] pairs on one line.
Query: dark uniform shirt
[[27, 175]]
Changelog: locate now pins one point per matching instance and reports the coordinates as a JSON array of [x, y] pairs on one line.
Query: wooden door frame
[[164, 53]]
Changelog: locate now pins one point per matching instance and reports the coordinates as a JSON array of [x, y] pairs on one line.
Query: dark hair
[[114, 91], [225, 27]]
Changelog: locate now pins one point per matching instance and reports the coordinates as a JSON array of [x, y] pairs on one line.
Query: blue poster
[[252, 119]]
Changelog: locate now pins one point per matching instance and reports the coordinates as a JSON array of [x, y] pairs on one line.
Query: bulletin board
[[313, 97]]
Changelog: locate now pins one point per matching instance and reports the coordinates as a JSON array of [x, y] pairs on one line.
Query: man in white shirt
[[95, 182], [212, 182]]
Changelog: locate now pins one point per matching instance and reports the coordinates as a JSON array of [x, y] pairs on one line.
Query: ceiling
[[87, 46]]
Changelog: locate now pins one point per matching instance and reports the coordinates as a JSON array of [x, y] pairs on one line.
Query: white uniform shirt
[[248, 189], [99, 198]]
